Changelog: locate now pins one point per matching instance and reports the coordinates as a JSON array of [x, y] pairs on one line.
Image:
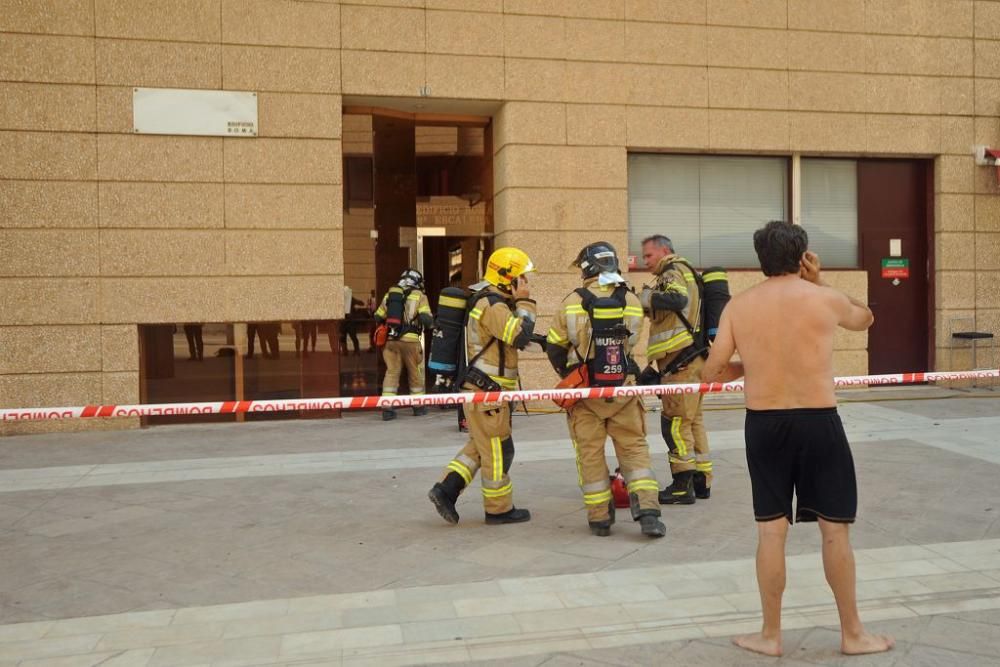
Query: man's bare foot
[[866, 643], [759, 644]]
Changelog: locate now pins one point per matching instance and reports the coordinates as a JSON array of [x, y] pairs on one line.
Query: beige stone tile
[[955, 251], [668, 85], [988, 251], [841, 16], [987, 215], [602, 83], [827, 51], [987, 20], [903, 94], [299, 115], [47, 156], [954, 213], [987, 63], [956, 135], [561, 166], [534, 37], [381, 3], [48, 252], [680, 11], [919, 55], [957, 57], [850, 362], [955, 173], [465, 76], [529, 123], [901, 17], [281, 23], [954, 18], [276, 69], [903, 134], [283, 206], [46, 59], [366, 73], [120, 388], [748, 13], [535, 80], [956, 289], [188, 299], [480, 6], [50, 349], [49, 389], [465, 33], [178, 20], [987, 96], [161, 158], [48, 204], [668, 44], [987, 290], [39, 106], [755, 130], [382, 28], [161, 205], [595, 125], [561, 210], [586, 9], [747, 89], [114, 109], [270, 253], [823, 91], [664, 128], [148, 252], [67, 301], [60, 17], [282, 161], [553, 251], [958, 96], [603, 41], [985, 181], [164, 64], [119, 348]]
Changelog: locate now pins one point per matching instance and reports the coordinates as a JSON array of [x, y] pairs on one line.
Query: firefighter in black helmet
[[406, 313]]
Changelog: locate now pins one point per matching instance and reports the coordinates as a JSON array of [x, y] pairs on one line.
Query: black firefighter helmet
[[597, 258]]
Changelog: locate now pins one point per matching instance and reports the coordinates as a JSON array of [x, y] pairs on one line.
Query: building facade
[[156, 268]]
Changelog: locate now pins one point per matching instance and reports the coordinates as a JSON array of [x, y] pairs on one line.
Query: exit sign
[[895, 267]]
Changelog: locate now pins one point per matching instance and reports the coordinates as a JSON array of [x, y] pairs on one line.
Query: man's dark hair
[[660, 240], [779, 247]]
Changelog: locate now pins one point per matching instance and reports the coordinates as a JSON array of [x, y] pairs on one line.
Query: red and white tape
[[363, 402]]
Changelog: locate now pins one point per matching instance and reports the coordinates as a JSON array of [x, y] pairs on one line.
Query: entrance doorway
[[894, 215], [418, 193]]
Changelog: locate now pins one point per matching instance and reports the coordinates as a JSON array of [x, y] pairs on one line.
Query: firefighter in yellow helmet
[[501, 322], [406, 313], [594, 332], [674, 308]]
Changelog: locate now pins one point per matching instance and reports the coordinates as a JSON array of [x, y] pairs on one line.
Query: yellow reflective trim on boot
[[460, 468], [498, 493], [600, 498]]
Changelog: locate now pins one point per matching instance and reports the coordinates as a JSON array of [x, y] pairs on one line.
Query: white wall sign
[[895, 247], [215, 113]]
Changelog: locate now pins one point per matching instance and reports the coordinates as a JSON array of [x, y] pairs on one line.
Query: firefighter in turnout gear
[[595, 330], [406, 313], [674, 310], [500, 322]]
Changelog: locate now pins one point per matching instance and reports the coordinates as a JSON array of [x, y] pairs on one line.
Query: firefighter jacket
[[674, 291], [493, 319], [416, 313], [570, 333]]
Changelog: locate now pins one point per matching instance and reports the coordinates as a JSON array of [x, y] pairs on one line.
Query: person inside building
[[594, 332], [405, 312], [500, 323], [795, 440], [673, 306]]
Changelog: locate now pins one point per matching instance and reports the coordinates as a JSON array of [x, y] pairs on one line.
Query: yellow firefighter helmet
[[505, 264]]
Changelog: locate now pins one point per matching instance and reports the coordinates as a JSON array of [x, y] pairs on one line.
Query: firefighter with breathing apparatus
[[401, 317]]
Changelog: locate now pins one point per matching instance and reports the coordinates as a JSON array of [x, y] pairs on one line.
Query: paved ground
[[313, 543]]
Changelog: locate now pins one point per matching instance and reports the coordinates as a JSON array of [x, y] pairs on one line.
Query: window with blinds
[[708, 205], [830, 210]]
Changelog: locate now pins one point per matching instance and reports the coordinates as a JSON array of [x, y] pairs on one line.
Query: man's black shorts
[[804, 450]]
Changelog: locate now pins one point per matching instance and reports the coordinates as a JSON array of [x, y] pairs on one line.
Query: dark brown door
[[395, 195], [893, 203]]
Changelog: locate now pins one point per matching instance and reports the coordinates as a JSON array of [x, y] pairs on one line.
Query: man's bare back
[[783, 331]]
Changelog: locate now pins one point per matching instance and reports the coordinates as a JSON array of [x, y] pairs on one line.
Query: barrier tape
[[369, 402]]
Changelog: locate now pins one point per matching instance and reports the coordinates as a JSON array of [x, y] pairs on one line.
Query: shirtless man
[[783, 330]]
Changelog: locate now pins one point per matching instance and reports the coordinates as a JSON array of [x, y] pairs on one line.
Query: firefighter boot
[[651, 525], [681, 491], [701, 489], [388, 414], [603, 528], [512, 515], [444, 494], [419, 410]]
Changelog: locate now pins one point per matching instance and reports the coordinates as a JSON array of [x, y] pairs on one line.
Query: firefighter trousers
[[683, 426], [399, 355], [591, 421], [490, 450]]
